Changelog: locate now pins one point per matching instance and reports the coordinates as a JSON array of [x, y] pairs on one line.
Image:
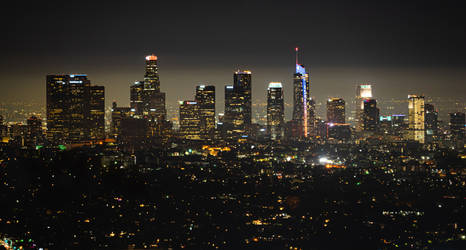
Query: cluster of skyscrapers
[[76, 111]]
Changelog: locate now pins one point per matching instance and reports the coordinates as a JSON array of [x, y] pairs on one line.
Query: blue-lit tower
[[301, 100]]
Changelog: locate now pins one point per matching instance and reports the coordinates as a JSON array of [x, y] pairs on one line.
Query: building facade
[[275, 111]]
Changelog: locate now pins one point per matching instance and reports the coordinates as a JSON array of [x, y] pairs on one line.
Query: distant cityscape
[[377, 173]]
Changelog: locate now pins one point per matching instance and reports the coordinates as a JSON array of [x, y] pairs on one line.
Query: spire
[[296, 49]]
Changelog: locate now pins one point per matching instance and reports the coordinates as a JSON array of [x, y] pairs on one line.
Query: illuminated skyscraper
[[238, 106], [229, 113], [242, 98], [57, 103], [205, 98], [301, 99], [335, 110], [69, 108], [363, 92], [97, 113], [153, 101], [416, 118], [275, 111], [189, 120], [137, 97], [151, 77], [431, 122], [370, 117]]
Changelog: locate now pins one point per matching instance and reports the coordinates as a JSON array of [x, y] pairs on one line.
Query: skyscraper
[[137, 97], [242, 98], [34, 131], [57, 104], [189, 120], [205, 98], [363, 92], [153, 100], [457, 122], [229, 112], [69, 108], [370, 115], [118, 114], [431, 122], [97, 113], [335, 110], [416, 118], [275, 111], [301, 99], [238, 106]]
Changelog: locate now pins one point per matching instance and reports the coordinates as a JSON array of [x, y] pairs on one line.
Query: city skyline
[[346, 45]]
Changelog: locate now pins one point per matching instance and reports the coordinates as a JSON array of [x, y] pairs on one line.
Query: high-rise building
[[34, 131], [301, 99], [97, 113], [137, 97], [205, 98], [69, 108], [151, 76], [370, 116], [363, 92], [189, 120], [118, 114], [275, 111], [229, 112], [457, 123], [335, 110], [431, 122], [238, 104], [243, 100], [153, 100], [416, 118]]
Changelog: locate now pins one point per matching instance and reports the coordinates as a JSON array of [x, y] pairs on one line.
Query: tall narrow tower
[[301, 99]]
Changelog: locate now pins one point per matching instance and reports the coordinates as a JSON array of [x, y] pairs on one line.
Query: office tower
[[137, 97], [301, 100], [57, 103], [18, 134], [275, 111], [431, 122], [79, 108], [68, 108], [457, 122], [153, 101], [151, 76], [335, 110], [118, 114], [97, 113], [205, 98], [189, 120], [399, 125], [385, 125], [34, 131], [243, 102], [416, 118], [363, 92], [370, 115], [230, 111]]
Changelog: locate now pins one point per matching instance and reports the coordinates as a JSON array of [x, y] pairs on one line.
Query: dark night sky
[[401, 46]]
